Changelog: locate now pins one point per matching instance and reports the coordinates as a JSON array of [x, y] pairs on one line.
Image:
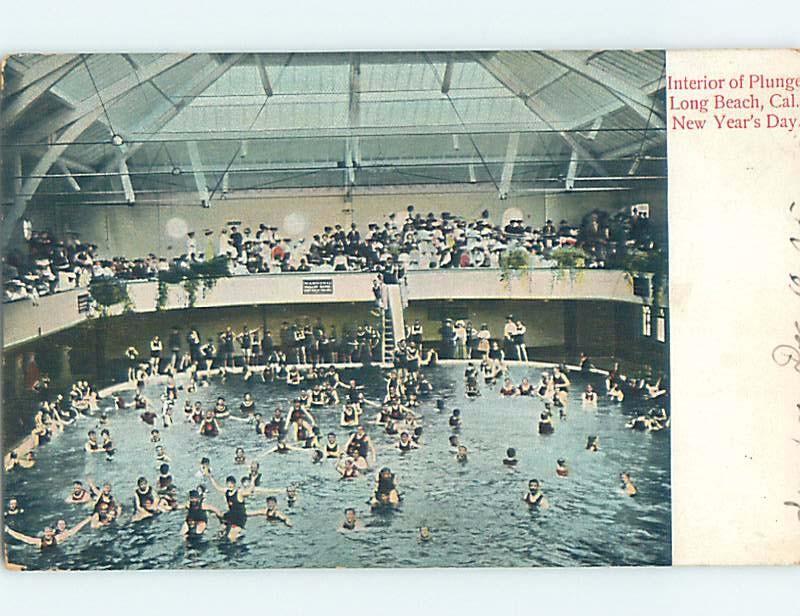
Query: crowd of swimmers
[[317, 391]]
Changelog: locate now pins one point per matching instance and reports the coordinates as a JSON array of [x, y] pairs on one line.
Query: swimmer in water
[[13, 508], [616, 394], [350, 522], [49, 538], [209, 426], [593, 443], [106, 508], [425, 535], [291, 496], [79, 494], [453, 444], [92, 444], [255, 473], [406, 443], [239, 457], [347, 469], [455, 420], [196, 520], [271, 512], [545, 424], [461, 454], [145, 503], [627, 484], [283, 447], [561, 468], [360, 447], [589, 396], [385, 493], [155, 436], [161, 454], [510, 461], [332, 447], [236, 516], [535, 498], [508, 389]]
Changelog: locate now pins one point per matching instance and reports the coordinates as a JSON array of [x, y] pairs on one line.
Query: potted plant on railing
[[110, 292], [569, 260], [203, 273], [512, 264], [638, 263]]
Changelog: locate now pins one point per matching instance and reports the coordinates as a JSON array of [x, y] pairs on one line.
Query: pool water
[[474, 511]]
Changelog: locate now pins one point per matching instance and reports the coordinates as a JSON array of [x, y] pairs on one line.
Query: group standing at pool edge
[[318, 390]]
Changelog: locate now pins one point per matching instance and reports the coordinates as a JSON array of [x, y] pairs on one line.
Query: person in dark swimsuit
[[144, 501], [106, 509], [236, 516], [209, 426], [510, 461], [332, 446], [406, 443], [360, 447], [535, 498], [350, 522], [196, 521], [79, 494], [271, 512], [347, 469], [545, 424], [385, 493], [49, 539]]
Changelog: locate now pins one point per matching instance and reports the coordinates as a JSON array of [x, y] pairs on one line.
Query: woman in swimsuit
[[236, 516]]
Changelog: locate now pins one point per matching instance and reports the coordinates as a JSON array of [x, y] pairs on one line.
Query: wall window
[[647, 325], [661, 325]]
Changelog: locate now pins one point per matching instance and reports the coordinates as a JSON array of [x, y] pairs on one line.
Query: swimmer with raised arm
[[49, 538], [235, 518], [271, 512]]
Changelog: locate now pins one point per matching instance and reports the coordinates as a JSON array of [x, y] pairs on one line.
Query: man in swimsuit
[[350, 522], [627, 485], [106, 509], [271, 513], [196, 520], [79, 494], [385, 492], [145, 503], [535, 498], [360, 447]]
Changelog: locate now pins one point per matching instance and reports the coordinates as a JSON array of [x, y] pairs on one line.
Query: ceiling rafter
[[645, 105], [514, 84], [72, 132]]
